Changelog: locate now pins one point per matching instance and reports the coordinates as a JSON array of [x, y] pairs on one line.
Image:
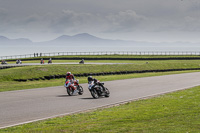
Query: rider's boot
[[75, 91]]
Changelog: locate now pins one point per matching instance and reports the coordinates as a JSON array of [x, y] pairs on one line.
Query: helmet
[[90, 78], [68, 73]]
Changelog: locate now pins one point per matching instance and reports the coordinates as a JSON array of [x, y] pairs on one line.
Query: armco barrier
[[103, 73], [6, 67], [101, 53], [86, 58]]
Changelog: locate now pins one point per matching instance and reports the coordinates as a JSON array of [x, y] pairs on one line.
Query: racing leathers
[[91, 82], [69, 78]]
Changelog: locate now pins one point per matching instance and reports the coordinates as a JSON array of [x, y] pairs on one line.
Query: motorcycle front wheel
[[70, 91], [107, 92], [94, 93]]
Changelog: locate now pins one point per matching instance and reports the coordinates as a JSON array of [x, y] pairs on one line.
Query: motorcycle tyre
[[94, 94], [107, 92], [80, 90], [70, 91]]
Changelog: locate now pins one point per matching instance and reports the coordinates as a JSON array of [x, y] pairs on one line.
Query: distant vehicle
[[3, 62], [41, 61], [50, 61], [18, 62], [82, 61]]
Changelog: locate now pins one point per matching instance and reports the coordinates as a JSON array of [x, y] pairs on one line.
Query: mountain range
[[4, 39], [64, 39], [87, 39]]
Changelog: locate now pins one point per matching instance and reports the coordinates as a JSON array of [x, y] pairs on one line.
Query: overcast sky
[[140, 20]]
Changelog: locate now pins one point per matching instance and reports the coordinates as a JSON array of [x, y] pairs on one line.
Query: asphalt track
[[73, 63], [24, 106]]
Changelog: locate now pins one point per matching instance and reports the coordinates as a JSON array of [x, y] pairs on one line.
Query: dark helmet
[[68, 73], [90, 78]]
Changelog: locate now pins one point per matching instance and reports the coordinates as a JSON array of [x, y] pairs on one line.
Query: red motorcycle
[[74, 87], [42, 62]]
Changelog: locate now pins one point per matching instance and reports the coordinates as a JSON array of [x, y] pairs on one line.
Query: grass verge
[[173, 112]]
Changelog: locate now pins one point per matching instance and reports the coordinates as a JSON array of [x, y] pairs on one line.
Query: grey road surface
[[18, 107], [74, 63]]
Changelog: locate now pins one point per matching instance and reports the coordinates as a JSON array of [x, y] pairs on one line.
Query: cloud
[[124, 21], [70, 20], [31, 19], [3, 14], [39, 18], [191, 24], [75, 21]]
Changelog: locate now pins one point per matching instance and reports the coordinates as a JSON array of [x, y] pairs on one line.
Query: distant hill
[[5, 40], [85, 39]]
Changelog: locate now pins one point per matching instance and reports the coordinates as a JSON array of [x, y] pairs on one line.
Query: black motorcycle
[[82, 61], [99, 90], [18, 62], [50, 62]]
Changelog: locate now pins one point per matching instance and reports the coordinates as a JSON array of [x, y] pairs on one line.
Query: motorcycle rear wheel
[[80, 90], [94, 94]]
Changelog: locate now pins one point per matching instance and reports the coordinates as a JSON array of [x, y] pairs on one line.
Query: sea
[[11, 50]]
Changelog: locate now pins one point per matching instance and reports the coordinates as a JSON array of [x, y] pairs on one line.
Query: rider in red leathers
[[70, 78]]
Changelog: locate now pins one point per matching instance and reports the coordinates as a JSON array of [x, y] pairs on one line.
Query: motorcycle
[[3, 62], [42, 62], [81, 62], [99, 90], [50, 61], [18, 62], [74, 87]]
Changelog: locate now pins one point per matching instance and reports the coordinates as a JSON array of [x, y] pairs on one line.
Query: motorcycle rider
[[3, 62], [70, 77], [42, 61], [92, 82], [82, 61], [50, 60], [18, 61]]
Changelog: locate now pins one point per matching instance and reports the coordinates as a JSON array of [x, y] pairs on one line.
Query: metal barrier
[[102, 53]]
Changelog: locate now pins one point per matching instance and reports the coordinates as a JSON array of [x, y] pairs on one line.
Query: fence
[[103, 53]]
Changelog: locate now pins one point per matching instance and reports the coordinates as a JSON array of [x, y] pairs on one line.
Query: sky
[[139, 20]]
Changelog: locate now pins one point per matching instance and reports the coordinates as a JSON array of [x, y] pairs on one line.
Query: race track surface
[[23, 106], [73, 63]]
